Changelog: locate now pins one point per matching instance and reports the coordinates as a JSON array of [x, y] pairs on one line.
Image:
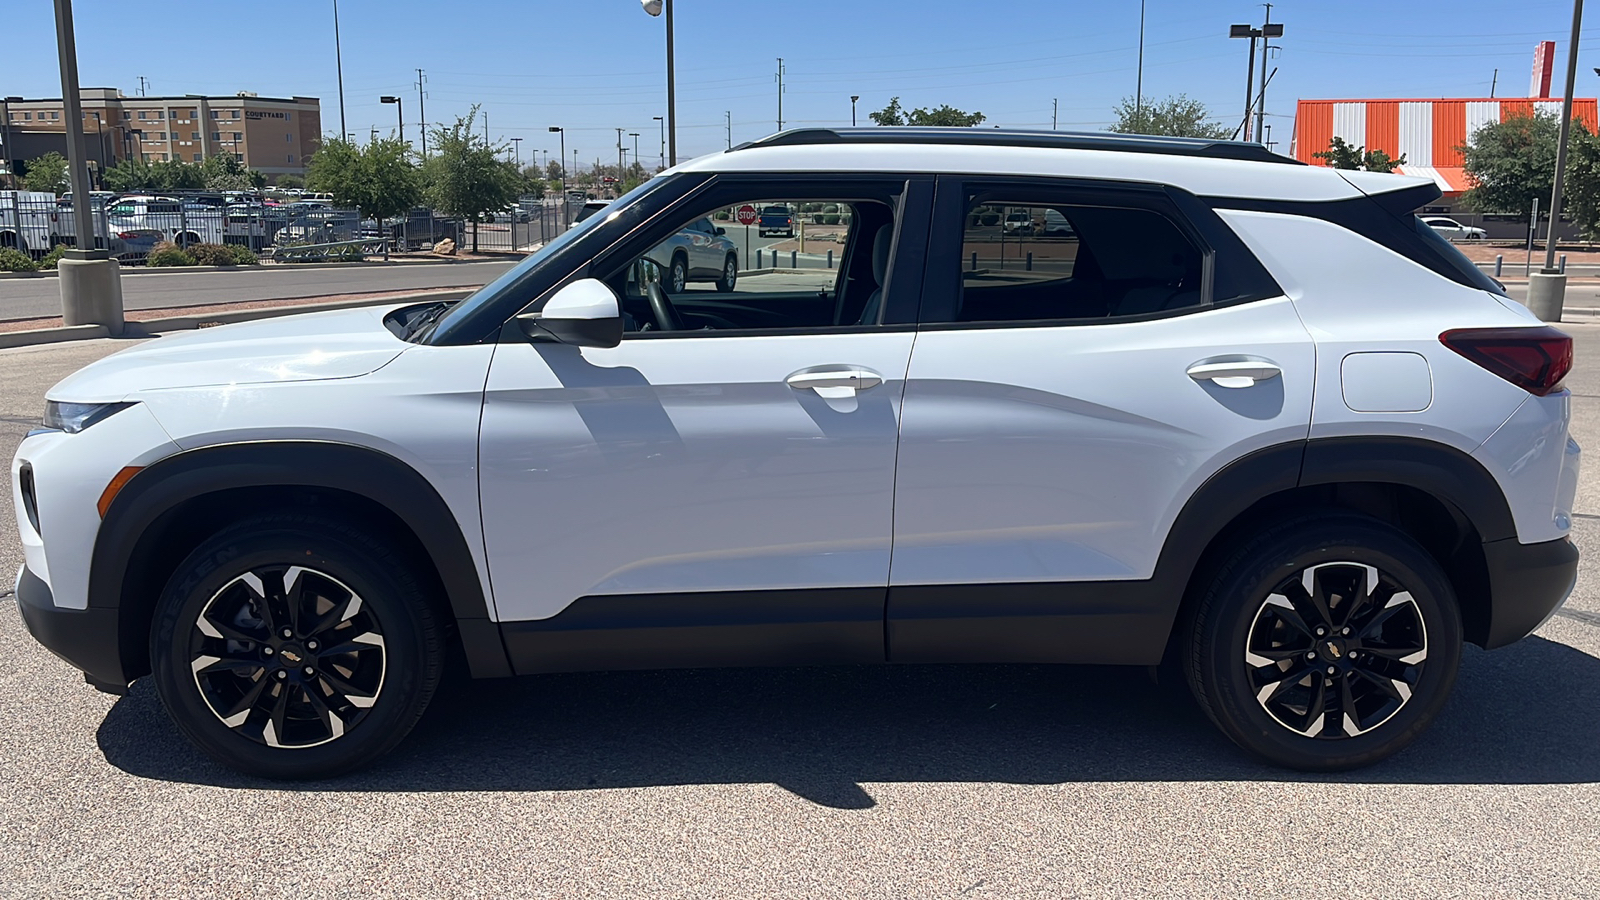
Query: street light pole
[[338, 62], [559, 130], [399, 111], [619, 156], [656, 8], [1261, 95], [1547, 288], [1138, 89], [635, 136], [91, 289], [853, 99], [663, 121]]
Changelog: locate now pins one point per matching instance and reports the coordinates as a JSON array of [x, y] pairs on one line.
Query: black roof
[[1004, 137]]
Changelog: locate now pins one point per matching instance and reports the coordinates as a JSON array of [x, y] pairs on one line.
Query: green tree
[[532, 182], [1510, 163], [553, 171], [1580, 190], [1173, 116], [945, 115], [46, 173], [378, 179], [290, 181], [177, 175], [224, 172], [130, 175], [466, 176], [1341, 155]]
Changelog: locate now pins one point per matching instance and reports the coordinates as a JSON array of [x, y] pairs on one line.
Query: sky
[[592, 66]]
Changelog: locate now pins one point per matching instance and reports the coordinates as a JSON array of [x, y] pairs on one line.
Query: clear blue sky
[[595, 65]]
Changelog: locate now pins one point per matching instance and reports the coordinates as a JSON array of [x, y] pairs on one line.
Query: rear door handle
[[1241, 373], [843, 381]]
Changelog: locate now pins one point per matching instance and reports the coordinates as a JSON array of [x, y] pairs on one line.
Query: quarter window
[[1029, 261]]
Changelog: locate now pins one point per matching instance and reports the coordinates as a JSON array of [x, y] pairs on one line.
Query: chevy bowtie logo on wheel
[[291, 657], [1333, 650]]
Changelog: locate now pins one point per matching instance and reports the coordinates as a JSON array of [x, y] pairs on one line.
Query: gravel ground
[[1000, 782]]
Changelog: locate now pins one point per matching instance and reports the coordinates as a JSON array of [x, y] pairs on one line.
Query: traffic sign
[[747, 215]]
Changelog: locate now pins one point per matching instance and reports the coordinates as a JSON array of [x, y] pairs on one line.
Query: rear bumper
[[86, 638], [1527, 584]]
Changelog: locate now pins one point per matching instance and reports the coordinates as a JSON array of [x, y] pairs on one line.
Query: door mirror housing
[[584, 313], [721, 231]]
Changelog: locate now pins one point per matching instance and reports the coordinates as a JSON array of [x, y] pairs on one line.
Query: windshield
[[518, 272]]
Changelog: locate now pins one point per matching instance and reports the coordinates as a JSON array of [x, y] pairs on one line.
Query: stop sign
[[747, 214]]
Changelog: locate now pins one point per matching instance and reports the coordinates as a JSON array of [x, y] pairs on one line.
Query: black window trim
[[907, 252], [1193, 218]]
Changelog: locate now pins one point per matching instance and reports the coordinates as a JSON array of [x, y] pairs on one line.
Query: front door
[[719, 487]]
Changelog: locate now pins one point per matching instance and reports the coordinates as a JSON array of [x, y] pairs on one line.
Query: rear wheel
[[1324, 643], [293, 646]]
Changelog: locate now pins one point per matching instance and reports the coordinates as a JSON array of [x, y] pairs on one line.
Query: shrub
[[222, 255], [54, 256], [348, 254], [167, 253], [14, 260], [722, 215]]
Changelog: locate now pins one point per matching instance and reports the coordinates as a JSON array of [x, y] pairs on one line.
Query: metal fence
[[130, 226]]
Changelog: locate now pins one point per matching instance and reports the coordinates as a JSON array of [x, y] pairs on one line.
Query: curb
[[151, 327], [163, 270]]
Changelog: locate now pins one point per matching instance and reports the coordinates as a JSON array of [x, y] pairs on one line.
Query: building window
[[27, 117], [239, 157], [55, 115], [290, 157], [163, 157], [233, 114], [213, 114], [289, 116], [194, 135], [141, 114], [216, 135], [238, 135], [288, 138], [197, 157], [161, 114]]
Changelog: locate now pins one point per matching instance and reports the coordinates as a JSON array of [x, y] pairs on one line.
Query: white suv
[[1251, 421]]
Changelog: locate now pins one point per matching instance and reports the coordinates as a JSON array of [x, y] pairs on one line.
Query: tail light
[[1534, 359]]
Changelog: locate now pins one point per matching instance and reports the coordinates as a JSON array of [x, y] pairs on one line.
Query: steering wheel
[[661, 308]]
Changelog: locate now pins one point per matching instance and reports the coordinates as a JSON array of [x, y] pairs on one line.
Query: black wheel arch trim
[[350, 468]]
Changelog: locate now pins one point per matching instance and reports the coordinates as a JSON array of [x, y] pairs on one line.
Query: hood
[[340, 343]]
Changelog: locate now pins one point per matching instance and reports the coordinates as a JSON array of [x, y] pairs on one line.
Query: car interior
[[1116, 262], [850, 294]]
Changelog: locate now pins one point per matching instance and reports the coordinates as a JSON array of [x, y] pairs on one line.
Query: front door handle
[[843, 381], [1241, 373]]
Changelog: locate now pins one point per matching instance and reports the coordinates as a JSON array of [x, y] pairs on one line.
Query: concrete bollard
[[1563, 265], [1499, 263], [1029, 266], [793, 260], [1546, 292], [91, 290], [758, 259], [830, 259], [974, 261]]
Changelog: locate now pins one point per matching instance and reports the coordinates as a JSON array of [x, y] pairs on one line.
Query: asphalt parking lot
[[1000, 782]]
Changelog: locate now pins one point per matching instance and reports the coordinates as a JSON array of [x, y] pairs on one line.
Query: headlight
[[75, 417]]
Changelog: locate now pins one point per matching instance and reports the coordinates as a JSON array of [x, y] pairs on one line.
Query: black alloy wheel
[[292, 645], [1322, 643]]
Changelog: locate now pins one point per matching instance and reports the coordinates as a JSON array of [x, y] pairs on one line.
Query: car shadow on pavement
[[1523, 714]]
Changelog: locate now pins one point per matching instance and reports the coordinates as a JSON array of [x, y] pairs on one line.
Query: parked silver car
[[700, 252], [1450, 229]]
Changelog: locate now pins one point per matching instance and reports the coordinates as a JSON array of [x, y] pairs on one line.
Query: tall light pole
[[1547, 288], [656, 8], [1267, 30], [619, 156], [556, 129], [853, 99], [663, 121], [516, 152], [1138, 89], [635, 136], [1267, 34], [399, 111], [91, 289], [338, 63], [422, 114]]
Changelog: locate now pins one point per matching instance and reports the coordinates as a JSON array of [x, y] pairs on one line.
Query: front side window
[[712, 273], [1032, 261]]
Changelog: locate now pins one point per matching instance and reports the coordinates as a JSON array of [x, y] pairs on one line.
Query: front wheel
[[1324, 643], [678, 276], [293, 646], [730, 274]]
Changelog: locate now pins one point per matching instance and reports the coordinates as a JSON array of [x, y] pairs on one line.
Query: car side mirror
[[585, 313], [721, 231]]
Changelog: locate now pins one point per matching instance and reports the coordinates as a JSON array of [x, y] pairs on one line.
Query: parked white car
[[1256, 424], [181, 222], [1452, 230]]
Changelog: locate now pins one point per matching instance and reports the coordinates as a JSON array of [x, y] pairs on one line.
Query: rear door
[[1068, 392]]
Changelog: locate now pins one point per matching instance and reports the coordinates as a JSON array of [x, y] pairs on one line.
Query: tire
[[1391, 674], [332, 712], [730, 274], [677, 275]]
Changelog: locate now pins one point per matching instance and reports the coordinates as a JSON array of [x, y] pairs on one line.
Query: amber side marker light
[[118, 482]]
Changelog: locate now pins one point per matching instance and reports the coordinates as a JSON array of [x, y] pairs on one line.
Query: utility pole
[[727, 115], [422, 113], [486, 128], [619, 155], [780, 93], [338, 65], [144, 82], [663, 121], [635, 136], [1138, 90], [1054, 108], [853, 99], [1494, 80], [1547, 288], [91, 286], [516, 152], [1261, 95]]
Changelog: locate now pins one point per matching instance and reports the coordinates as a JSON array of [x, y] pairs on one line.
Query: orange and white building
[[1429, 132]]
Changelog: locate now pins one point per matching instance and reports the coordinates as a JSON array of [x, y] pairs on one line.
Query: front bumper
[[1527, 584], [86, 638]]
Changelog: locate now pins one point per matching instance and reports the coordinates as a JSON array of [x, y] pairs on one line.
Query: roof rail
[[1003, 137]]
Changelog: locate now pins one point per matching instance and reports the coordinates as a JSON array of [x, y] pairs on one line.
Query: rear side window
[[1045, 261]]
